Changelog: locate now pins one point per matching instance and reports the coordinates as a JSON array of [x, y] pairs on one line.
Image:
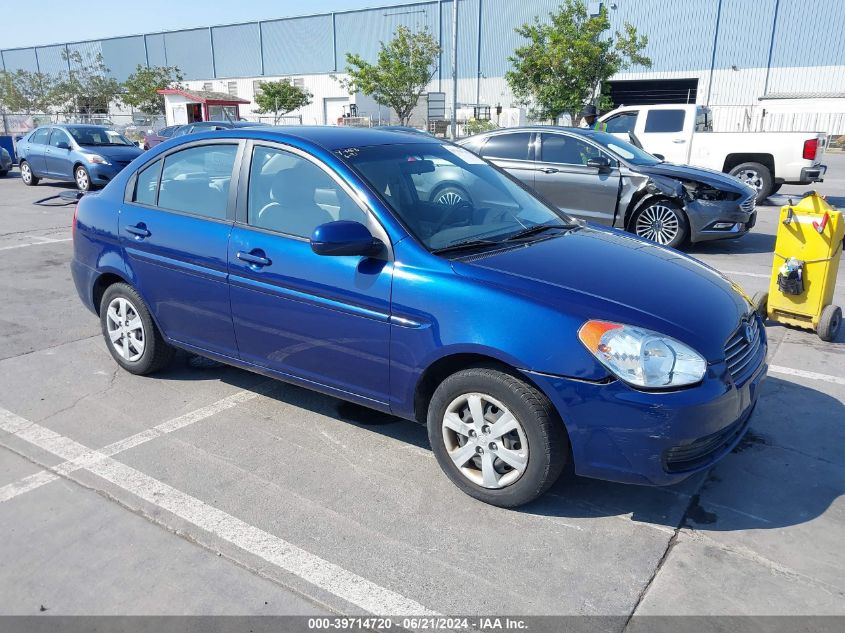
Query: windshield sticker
[[349, 152], [464, 154]]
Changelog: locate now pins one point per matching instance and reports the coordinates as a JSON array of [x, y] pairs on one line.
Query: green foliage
[[404, 67], [27, 92], [139, 89], [87, 88], [477, 126], [564, 63], [281, 97]]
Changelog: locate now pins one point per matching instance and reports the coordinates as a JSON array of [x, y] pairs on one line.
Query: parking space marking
[[319, 572], [43, 243], [801, 373], [41, 478], [761, 276]]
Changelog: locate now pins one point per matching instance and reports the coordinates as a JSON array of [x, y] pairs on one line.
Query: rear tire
[[506, 465], [29, 179], [450, 195], [131, 336], [3, 173], [775, 188], [829, 323], [755, 175]]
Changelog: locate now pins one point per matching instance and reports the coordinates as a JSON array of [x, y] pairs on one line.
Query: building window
[[207, 86], [299, 82], [256, 86], [233, 88]]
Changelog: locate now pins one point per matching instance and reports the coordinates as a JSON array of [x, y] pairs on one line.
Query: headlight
[[641, 357], [96, 159]]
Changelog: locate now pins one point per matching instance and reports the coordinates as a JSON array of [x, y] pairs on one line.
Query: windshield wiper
[[465, 245], [538, 228]]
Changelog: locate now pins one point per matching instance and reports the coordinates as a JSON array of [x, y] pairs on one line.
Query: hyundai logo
[[748, 334]]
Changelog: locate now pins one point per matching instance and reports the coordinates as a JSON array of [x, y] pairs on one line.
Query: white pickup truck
[[683, 134]]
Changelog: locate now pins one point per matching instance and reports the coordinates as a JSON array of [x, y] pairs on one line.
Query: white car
[[682, 134]]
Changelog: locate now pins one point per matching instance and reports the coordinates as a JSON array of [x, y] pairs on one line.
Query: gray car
[[5, 162], [602, 179]]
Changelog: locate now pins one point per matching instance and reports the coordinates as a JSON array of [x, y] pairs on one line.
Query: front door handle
[[549, 170], [139, 230], [255, 260], [680, 140]]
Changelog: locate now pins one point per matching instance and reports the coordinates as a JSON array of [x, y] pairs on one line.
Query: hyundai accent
[[524, 339]]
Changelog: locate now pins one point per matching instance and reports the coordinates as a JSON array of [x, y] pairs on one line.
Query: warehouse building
[[759, 64]]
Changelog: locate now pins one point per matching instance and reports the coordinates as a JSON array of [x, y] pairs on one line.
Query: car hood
[[114, 152], [594, 273], [710, 177]]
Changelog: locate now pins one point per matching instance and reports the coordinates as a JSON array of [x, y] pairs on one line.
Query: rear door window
[[40, 136], [146, 184], [514, 146], [197, 180], [664, 121]]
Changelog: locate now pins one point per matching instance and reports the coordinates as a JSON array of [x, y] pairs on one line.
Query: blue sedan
[[522, 338], [88, 155]]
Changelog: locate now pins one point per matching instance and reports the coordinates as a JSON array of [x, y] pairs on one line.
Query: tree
[[27, 92], [281, 97], [565, 62], [87, 88], [139, 91], [403, 69]]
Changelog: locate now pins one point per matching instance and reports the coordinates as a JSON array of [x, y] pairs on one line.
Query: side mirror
[[345, 238], [659, 156], [602, 163], [63, 145]]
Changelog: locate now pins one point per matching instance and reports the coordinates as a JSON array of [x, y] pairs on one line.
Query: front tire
[[450, 195], [29, 179], [131, 336], [661, 221], [82, 179], [496, 437], [760, 303], [757, 176]]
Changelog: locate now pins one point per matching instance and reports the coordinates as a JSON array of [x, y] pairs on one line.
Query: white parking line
[[761, 276], [31, 482], [25, 244], [801, 373], [319, 572]]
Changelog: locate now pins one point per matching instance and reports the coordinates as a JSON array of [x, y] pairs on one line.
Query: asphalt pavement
[[215, 491]]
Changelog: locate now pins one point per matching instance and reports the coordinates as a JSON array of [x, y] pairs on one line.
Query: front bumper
[[619, 433], [103, 174], [6, 165], [720, 219]]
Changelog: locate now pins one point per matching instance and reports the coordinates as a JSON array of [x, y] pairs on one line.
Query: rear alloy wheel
[[82, 178], [756, 176], [662, 222], [450, 196], [29, 179], [132, 337], [496, 437]]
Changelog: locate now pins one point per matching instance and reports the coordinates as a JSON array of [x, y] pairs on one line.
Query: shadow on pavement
[[788, 469], [750, 243]]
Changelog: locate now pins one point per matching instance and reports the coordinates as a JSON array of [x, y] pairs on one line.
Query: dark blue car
[[88, 155], [524, 339]]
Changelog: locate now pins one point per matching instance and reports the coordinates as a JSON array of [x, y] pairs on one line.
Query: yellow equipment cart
[[807, 253]]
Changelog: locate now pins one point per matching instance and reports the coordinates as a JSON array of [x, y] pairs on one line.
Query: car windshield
[[447, 196], [96, 136], [627, 152]]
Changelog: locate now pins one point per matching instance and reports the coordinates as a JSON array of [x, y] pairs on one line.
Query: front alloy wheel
[[484, 440], [661, 222], [27, 175], [83, 180]]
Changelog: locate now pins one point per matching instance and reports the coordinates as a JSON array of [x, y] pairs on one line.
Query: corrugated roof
[[803, 95]]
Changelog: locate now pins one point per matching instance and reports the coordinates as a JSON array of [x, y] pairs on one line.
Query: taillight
[[811, 148]]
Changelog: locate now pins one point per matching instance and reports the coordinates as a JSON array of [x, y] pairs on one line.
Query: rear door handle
[[680, 140], [549, 170], [139, 230], [255, 260]]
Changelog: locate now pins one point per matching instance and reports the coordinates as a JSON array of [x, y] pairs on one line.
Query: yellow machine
[[807, 253]]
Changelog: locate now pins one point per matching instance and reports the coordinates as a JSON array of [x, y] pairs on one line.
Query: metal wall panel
[[467, 43], [237, 52], [361, 32], [745, 35], [50, 59], [298, 45], [122, 55], [88, 51], [680, 33], [499, 18], [20, 59], [191, 52], [809, 34], [156, 51]]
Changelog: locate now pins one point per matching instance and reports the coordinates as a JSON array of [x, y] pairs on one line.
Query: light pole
[[454, 122]]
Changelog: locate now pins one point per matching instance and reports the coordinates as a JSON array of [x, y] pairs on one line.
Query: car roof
[[80, 126], [331, 137]]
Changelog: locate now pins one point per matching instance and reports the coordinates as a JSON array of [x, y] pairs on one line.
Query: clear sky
[[55, 22]]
